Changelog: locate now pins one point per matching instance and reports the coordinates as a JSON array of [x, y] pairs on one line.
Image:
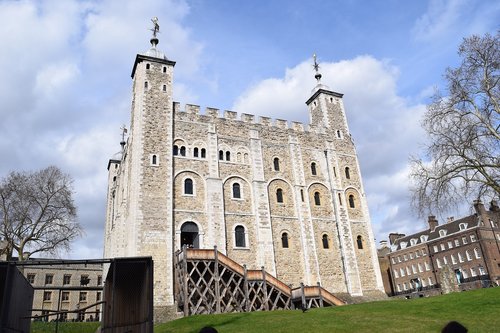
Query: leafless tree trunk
[[462, 157], [37, 212]]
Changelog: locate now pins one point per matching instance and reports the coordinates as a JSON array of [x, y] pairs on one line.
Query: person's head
[[208, 329], [454, 327]]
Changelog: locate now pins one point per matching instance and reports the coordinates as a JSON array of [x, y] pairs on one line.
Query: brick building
[[460, 254], [266, 193]]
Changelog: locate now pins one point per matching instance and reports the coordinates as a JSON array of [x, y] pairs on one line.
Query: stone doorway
[[190, 235]]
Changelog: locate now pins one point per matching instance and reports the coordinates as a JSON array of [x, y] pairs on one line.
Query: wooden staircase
[[206, 281]]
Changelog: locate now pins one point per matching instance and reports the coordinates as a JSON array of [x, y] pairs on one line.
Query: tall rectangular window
[[49, 278], [67, 279]]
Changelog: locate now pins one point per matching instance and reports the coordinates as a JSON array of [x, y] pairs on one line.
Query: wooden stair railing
[[207, 281]]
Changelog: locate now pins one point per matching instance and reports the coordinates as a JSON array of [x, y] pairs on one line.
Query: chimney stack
[[433, 223], [394, 236], [494, 206], [383, 243], [479, 207]]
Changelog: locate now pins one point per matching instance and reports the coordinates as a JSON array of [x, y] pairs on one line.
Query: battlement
[[213, 113]]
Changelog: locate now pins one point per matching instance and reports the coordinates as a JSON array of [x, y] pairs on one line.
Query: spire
[[318, 76]]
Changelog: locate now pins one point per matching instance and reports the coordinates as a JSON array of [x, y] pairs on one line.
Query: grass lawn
[[42, 327], [478, 310]]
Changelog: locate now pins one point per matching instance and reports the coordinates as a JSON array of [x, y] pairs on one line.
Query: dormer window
[[423, 238], [442, 233], [413, 241], [462, 226], [403, 245]]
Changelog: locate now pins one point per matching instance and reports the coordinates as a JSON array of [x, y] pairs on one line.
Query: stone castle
[[288, 198]]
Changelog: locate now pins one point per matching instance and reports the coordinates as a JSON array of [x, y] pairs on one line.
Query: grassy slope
[[478, 310], [41, 327]]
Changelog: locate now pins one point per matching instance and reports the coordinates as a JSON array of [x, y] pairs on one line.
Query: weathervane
[[316, 68], [156, 28], [124, 131]]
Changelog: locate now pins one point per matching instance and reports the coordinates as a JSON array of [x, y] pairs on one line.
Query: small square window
[[47, 295], [31, 278], [83, 296], [65, 296]]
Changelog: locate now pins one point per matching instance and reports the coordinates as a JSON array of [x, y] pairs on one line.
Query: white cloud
[[385, 127], [440, 19]]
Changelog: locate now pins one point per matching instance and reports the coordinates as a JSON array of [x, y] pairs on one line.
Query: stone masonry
[[289, 198]]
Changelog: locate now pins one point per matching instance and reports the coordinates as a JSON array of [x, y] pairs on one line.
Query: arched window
[[276, 164], [325, 241], [221, 155], [146, 85], [164, 87], [359, 240], [476, 253], [284, 240], [351, 201], [347, 173], [195, 152], [279, 195], [238, 157], [338, 134], [236, 191], [317, 199], [203, 153], [302, 195], [188, 186], [239, 236], [183, 151], [154, 160], [228, 156], [340, 199], [164, 69], [313, 169], [176, 150], [148, 66]]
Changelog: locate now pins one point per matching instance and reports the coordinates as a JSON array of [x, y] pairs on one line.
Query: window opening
[[340, 199], [176, 150], [276, 163], [302, 195], [195, 152], [325, 241], [351, 201], [347, 173], [239, 235], [236, 191], [188, 186], [228, 156], [359, 240], [313, 169], [317, 199], [203, 153], [279, 195], [183, 151], [284, 240], [221, 155], [148, 66]]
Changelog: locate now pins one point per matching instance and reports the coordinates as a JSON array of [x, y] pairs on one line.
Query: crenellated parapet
[[192, 112]]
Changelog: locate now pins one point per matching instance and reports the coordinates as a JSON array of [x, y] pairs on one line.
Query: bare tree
[[462, 155], [37, 212]]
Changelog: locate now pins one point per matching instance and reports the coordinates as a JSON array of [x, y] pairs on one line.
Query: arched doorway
[[189, 235]]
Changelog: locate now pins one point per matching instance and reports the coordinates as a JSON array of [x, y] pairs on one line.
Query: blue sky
[[65, 84]]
